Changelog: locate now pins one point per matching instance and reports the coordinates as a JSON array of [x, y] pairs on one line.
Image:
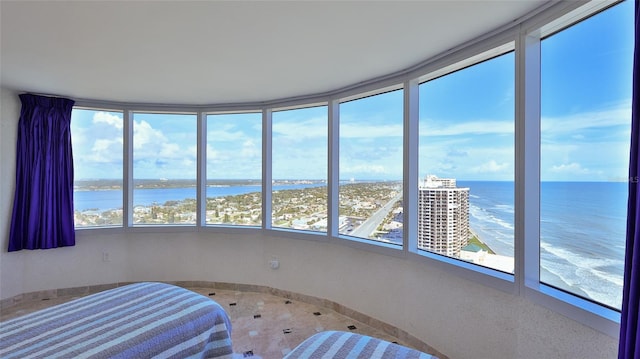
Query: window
[[371, 152], [234, 169], [466, 164], [97, 160], [585, 104], [164, 168], [299, 169]]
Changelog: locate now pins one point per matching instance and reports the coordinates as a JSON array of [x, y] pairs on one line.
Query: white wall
[[459, 318], [11, 266]]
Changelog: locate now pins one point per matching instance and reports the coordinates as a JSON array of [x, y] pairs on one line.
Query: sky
[[466, 124]]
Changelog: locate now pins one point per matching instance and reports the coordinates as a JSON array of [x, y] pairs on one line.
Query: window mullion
[[127, 181], [527, 215], [267, 161], [333, 168], [201, 190], [410, 166]]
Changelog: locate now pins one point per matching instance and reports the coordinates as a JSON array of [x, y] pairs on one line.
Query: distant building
[[443, 216]]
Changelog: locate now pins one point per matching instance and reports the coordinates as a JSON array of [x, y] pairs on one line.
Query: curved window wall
[[495, 144]]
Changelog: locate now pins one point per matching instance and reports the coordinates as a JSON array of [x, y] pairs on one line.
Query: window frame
[[202, 177], [129, 159], [267, 166], [124, 159], [477, 58], [522, 36], [335, 147], [528, 149]]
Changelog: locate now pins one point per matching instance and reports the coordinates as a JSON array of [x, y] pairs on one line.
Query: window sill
[[598, 317]]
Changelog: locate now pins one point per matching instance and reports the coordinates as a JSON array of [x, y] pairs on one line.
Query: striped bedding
[[342, 345], [140, 320]]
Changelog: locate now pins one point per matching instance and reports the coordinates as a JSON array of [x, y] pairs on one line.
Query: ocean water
[[112, 199], [582, 235], [582, 227], [582, 232]]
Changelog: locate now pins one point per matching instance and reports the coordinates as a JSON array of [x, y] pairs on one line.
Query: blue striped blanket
[[140, 320], [341, 345]]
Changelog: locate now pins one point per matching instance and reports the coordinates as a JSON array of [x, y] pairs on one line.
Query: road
[[367, 227]]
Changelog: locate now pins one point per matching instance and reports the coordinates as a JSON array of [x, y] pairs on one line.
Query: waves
[[491, 214], [600, 278], [582, 233]]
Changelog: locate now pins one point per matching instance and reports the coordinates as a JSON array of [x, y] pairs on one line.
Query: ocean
[[112, 199], [582, 226], [582, 232]]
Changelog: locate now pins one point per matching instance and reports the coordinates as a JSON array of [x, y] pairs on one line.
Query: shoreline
[[484, 243]]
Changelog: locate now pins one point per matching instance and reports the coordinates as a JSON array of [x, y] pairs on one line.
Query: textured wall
[[11, 266]]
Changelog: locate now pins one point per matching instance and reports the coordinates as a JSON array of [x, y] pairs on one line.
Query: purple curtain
[[43, 201], [629, 346]]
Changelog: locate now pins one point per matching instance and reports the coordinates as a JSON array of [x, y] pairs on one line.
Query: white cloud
[[212, 154], [251, 150], [102, 152], [109, 119], [170, 150], [570, 168], [491, 166], [151, 143], [244, 160], [79, 138], [225, 133], [365, 168], [371, 131], [144, 134], [160, 155], [480, 127], [615, 115], [301, 130]]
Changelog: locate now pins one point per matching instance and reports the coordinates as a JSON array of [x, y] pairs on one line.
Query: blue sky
[[466, 124], [234, 146], [299, 145], [586, 97]]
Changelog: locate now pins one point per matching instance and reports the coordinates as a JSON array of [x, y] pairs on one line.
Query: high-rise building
[[443, 216]]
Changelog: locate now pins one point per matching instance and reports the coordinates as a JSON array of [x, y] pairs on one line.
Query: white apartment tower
[[443, 216]]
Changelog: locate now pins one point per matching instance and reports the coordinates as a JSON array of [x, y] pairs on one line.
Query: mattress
[[342, 345], [140, 320]]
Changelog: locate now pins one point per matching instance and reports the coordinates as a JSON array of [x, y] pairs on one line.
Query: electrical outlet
[[105, 257], [274, 263]]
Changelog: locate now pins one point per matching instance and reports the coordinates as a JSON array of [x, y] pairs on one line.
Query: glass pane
[[370, 191], [234, 169], [97, 160], [164, 168], [466, 164], [299, 169], [586, 117]]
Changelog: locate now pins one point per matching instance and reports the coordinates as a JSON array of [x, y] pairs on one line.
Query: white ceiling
[[211, 52]]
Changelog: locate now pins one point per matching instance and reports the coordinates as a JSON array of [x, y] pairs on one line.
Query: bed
[[140, 320], [342, 345]]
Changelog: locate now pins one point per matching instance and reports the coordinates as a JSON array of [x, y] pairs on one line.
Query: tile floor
[[264, 325]]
